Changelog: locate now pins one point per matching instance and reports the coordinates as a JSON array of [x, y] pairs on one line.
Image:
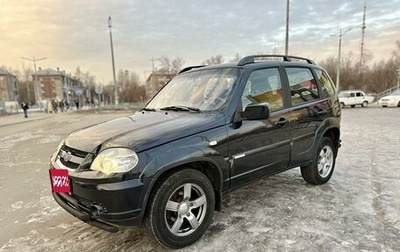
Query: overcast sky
[[75, 33]]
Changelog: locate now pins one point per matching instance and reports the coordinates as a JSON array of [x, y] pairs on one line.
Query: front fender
[[170, 159]]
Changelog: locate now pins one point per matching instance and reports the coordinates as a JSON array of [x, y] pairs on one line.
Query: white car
[[355, 97], [392, 100]]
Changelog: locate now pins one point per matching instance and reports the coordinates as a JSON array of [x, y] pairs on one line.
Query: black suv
[[209, 130]]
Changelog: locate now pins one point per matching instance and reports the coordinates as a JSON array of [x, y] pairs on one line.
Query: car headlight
[[115, 160]]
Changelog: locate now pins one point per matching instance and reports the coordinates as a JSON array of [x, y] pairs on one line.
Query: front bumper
[[388, 103], [103, 204]]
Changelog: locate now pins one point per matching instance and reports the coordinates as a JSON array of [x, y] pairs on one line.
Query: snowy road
[[358, 210]]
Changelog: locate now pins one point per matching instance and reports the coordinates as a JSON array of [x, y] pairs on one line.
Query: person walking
[[62, 105], [25, 108], [54, 103], [50, 107]]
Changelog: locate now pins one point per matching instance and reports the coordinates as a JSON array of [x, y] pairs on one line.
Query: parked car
[[210, 130], [392, 100], [355, 97]]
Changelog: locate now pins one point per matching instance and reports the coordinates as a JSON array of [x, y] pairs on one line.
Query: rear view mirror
[[257, 111]]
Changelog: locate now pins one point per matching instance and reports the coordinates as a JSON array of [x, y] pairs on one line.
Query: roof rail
[[251, 59], [190, 68]]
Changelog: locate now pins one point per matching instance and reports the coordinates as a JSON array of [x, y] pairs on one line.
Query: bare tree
[[130, 89], [218, 59], [26, 86], [168, 66], [165, 64], [235, 58], [177, 64], [396, 52], [330, 65]]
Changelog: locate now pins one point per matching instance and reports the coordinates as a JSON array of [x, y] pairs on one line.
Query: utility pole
[[362, 60], [37, 90], [113, 65], [287, 28], [341, 33]]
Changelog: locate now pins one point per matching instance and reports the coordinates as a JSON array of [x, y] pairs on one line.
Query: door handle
[[281, 121]]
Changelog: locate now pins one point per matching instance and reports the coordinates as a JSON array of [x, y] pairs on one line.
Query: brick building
[[8, 86], [156, 81], [55, 84]]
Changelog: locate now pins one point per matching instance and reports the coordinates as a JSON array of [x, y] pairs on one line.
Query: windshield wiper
[[148, 109], [180, 108]]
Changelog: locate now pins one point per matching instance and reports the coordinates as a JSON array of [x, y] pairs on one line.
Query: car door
[[359, 98], [307, 112], [352, 99], [260, 147]]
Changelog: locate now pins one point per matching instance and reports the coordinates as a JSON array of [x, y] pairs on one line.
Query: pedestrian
[[25, 108], [50, 107], [77, 104], [44, 104], [54, 103], [66, 105], [61, 105]]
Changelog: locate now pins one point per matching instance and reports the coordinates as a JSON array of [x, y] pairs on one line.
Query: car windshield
[[201, 90], [343, 94], [396, 92]]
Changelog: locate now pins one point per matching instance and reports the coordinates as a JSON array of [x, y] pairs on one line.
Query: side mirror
[[257, 111]]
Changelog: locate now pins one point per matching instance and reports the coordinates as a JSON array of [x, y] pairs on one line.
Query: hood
[[391, 97], [143, 130]]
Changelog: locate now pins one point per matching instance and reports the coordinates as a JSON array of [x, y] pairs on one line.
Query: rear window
[[303, 87], [327, 86]]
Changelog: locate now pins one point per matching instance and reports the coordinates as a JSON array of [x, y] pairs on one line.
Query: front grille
[[75, 152], [70, 157]]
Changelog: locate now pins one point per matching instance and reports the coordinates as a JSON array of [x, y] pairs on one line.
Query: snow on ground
[[358, 210]]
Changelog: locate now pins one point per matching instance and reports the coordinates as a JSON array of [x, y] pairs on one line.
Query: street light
[[340, 48], [113, 65], [38, 95]]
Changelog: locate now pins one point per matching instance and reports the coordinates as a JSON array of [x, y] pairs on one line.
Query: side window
[[264, 85], [303, 87], [327, 86]]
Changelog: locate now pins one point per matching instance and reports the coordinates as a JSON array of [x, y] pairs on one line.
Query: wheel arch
[[334, 135], [205, 165]]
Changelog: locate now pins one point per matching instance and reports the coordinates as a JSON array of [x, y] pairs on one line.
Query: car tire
[[364, 104], [321, 169], [341, 105], [398, 104], [182, 209]]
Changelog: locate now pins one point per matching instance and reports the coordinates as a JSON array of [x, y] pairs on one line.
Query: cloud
[[75, 32]]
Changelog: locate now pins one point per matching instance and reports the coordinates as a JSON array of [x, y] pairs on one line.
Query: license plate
[[60, 182]]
